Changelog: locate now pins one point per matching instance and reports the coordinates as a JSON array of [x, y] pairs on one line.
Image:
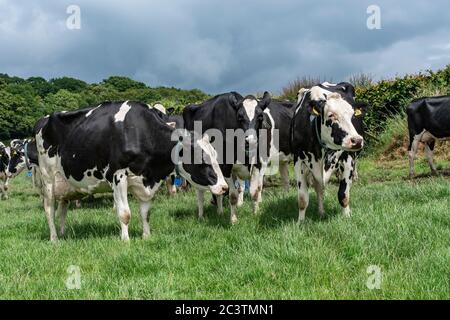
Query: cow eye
[[332, 116]]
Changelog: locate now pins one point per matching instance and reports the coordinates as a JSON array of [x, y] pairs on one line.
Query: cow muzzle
[[219, 189], [356, 143]]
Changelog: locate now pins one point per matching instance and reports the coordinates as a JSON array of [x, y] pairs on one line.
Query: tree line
[[24, 101]]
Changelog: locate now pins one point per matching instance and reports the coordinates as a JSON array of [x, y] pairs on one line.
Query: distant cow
[[324, 139], [4, 179], [18, 160], [230, 111], [428, 121], [122, 146]]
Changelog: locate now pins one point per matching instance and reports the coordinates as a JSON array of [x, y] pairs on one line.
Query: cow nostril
[[357, 142], [225, 188]]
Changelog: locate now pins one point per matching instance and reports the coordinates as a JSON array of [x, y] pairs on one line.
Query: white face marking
[[250, 106], [212, 153], [90, 112], [343, 113], [120, 115]]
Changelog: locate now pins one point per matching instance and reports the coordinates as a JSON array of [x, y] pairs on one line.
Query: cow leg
[[120, 188], [412, 154], [220, 205], [344, 187], [233, 198], [3, 189], [302, 187], [200, 202], [319, 188], [49, 207], [170, 184], [63, 205], [429, 147], [284, 172], [144, 207], [241, 191], [256, 186]]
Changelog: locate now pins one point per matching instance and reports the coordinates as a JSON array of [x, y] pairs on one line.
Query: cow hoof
[[347, 212], [233, 220], [146, 236], [300, 222]]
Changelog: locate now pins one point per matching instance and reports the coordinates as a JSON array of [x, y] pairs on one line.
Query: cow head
[[200, 166], [335, 111], [17, 161], [250, 115]]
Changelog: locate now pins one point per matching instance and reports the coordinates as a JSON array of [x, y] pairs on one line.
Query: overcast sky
[[218, 45]]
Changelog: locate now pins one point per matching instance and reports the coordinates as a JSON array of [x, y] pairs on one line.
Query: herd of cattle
[[128, 147]]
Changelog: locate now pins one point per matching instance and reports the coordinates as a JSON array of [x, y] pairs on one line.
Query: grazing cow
[[428, 121], [324, 139], [224, 112], [124, 146], [4, 179]]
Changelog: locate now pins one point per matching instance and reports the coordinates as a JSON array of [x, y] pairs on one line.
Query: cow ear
[[360, 109], [315, 108], [234, 101], [265, 101], [300, 94], [170, 110]]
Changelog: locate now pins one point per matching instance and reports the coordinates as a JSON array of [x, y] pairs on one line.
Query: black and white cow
[[123, 146], [277, 119], [4, 176], [222, 113], [428, 121], [324, 139], [175, 120], [18, 161]]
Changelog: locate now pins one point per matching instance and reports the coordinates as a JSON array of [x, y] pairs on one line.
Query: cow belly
[[429, 137]]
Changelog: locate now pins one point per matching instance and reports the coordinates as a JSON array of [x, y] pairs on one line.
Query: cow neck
[[312, 138]]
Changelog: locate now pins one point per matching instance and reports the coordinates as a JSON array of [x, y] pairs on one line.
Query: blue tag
[[178, 181], [29, 174], [247, 185]]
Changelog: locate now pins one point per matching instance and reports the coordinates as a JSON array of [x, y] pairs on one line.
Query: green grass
[[399, 225]]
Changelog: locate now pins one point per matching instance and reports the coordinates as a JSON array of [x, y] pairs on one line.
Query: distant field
[[400, 226]]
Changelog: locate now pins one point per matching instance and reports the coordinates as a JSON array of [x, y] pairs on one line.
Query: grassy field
[[400, 226]]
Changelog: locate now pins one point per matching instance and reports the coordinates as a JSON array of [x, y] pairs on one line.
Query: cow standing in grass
[[120, 146], [324, 139], [428, 121], [231, 112]]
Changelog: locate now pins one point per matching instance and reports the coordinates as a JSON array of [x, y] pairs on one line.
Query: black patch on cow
[[98, 174], [341, 192], [337, 134]]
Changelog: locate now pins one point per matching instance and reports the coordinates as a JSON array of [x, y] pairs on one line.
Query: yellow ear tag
[[314, 110], [358, 112]]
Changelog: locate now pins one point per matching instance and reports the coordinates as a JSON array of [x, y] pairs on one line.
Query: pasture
[[401, 226]]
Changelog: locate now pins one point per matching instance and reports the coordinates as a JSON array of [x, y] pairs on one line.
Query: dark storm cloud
[[249, 46]]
